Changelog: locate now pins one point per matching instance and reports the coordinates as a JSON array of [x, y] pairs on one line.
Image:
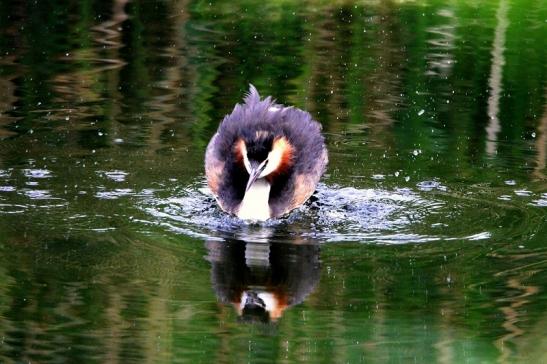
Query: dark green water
[[427, 239]]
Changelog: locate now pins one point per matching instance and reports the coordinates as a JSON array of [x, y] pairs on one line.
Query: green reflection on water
[[434, 112]]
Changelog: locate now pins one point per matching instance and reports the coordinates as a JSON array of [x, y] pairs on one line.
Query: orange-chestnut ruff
[[265, 159]]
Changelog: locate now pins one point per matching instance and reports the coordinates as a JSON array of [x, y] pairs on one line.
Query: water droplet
[[421, 112]]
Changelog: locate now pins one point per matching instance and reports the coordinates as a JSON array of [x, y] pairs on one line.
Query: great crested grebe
[[265, 159]]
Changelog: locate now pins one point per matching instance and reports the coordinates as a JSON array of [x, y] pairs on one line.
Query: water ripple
[[5, 173], [540, 203], [37, 173], [114, 194], [335, 214], [39, 194], [116, 175], [6, 208]]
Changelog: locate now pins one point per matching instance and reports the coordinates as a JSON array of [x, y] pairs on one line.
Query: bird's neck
[[254, 205]]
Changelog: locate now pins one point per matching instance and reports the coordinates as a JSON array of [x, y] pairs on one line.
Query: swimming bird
[[265, 159]]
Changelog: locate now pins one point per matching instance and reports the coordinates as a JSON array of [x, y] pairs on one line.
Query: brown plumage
[[265, 159]]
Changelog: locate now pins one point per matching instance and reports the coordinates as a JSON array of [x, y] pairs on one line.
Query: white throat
[[255, 202]]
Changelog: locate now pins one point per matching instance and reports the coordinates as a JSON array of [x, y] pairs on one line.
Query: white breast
[[255, 202]]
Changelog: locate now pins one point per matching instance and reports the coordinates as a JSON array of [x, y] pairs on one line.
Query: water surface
[[425, 241]]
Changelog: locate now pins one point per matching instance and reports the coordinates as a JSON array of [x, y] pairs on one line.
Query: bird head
[[264, 155]]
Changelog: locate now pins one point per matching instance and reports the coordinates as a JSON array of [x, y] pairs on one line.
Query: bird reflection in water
[[261, 279]]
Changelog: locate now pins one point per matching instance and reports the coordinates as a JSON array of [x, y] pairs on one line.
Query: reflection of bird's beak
[[252, 300], [253, 308], [252, 178], [256, 169]]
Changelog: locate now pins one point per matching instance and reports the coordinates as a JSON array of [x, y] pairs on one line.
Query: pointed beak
[[256, 170]]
